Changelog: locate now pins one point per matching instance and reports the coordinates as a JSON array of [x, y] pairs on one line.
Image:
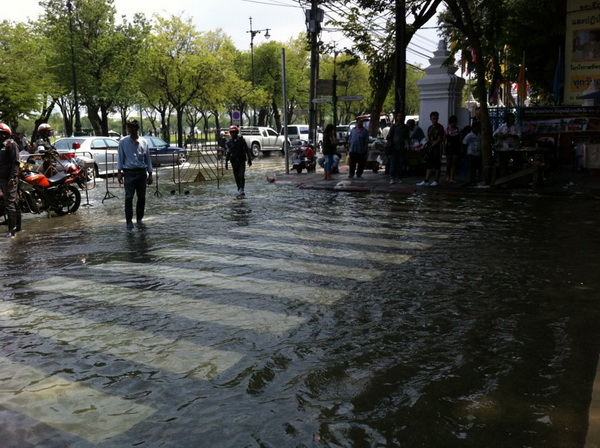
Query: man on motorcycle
[[9, 181], [44, 133]]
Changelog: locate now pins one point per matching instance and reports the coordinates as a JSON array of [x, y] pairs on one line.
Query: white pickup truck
[[261, 139]]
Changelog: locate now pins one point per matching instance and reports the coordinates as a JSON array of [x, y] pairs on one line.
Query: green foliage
[[505, 31], [23, 80]]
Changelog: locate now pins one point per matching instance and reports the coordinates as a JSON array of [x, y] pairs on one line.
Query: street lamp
[[252, 34], [76, 98]]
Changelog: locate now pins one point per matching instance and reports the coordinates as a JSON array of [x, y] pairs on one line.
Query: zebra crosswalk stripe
[[138, 346], [308, 251], [248, 285], [347, 239], [295, 266], [199, 310], [66, 405], [372, 229]]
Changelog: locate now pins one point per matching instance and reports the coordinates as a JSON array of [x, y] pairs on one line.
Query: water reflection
[[468, 322]]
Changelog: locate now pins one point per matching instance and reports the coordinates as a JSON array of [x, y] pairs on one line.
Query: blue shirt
[[359, 140], [134, 154]]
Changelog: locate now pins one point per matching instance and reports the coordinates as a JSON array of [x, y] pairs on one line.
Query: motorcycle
[[376, 156], [55, 189], [303, 158]]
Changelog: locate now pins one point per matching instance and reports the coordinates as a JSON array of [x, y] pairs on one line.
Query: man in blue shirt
[[133, 163], [359, 145]]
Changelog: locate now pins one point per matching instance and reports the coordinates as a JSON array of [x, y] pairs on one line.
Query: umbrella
[[590, 96]]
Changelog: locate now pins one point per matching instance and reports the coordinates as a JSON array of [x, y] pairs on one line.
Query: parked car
[[261, 139], [103, 150], [300, 132], [383, 122], [341, 135], [114, 134], [162, 153]]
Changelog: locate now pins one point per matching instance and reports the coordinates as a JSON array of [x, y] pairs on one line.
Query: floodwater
[[299, 318]]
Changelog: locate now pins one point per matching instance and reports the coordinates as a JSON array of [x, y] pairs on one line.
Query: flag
[[559, 78], [522, 83], [497, 81]]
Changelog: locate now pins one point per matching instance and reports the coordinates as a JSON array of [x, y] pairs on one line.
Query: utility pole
[[400, 61], [334, 96], [74, 72], [252, 34], [314, 17]]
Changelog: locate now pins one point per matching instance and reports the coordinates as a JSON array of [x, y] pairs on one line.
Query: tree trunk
[[486, 128], [95, 120], [104, 119], [383, 76], [276, 116], [179, 112]]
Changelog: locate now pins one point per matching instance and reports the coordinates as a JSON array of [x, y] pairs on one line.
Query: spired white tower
[[441, 90]]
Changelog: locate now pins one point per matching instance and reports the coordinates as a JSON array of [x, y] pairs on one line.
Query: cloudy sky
[[284, 18]]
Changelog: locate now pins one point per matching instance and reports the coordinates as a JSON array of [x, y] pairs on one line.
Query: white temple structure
[[442, 91]]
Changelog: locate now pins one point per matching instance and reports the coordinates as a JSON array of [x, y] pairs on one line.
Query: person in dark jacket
[[329, 149], [9, 181], [398, 139], [238, 153]]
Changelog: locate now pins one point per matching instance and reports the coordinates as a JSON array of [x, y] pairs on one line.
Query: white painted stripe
[[349, 239], [372, 229], [174, 304], [295, 266], [141, 347], [409, 220], [306, 250], [66, 405], [276, 289]]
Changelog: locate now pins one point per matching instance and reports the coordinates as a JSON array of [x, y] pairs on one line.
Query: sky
[[283, 18]]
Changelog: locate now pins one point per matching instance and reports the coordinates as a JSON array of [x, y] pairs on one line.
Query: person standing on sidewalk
[[358, 148], [453, 148], [473, 142], [433, 162], [397, 142], [9, 181], [238, 153], [329, 149], [135, 166]]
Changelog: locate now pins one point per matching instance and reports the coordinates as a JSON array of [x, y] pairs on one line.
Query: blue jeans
[[135, 183], [328, 162], [396, 164]]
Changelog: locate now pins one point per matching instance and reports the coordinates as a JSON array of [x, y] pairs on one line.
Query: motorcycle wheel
[[68, 202], [299, 169]]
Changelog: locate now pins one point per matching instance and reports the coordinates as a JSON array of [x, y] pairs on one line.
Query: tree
[[23, 76], [355, 74], [371, 26], [178, 66], [103, 75]]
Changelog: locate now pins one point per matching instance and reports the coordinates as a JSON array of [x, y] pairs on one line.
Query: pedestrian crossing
[[261, 321], [204, 270], [66, 405], [306, 250]]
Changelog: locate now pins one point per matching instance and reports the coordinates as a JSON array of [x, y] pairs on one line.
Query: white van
[[300, 132]]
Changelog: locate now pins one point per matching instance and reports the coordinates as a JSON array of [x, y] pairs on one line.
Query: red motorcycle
[[54, 189]]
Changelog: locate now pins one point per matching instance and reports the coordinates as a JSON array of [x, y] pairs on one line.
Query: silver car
[[103, 150]]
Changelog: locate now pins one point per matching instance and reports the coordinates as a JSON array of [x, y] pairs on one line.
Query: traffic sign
[[322, 100], [236, 117], [350, 98]]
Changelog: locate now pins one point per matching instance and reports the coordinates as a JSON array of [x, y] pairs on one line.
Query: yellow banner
[[582, 52]]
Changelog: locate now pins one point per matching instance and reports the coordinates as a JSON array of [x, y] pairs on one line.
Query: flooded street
[[301, 318]]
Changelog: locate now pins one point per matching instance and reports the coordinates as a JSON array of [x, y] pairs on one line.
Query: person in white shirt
[[509, 134]]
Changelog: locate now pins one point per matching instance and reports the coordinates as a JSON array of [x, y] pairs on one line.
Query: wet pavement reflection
[[296, 318]]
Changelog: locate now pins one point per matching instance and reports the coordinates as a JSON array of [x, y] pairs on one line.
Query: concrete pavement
[[561, 181]]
